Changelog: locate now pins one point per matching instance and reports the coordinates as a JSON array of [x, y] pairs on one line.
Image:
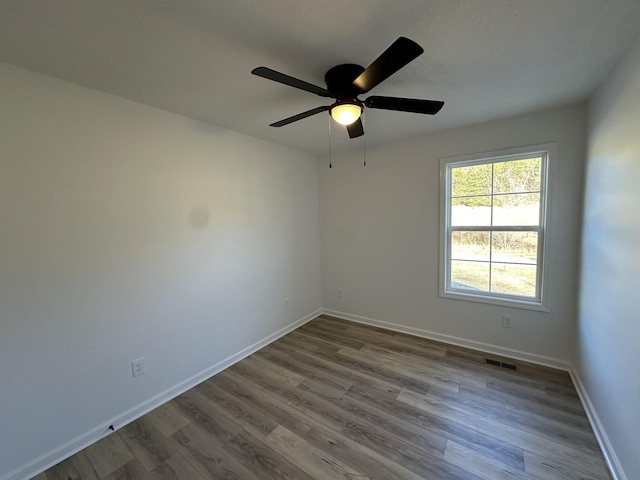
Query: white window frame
[[541, 301]]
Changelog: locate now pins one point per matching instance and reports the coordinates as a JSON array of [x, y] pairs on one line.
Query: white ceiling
[[485, 58]]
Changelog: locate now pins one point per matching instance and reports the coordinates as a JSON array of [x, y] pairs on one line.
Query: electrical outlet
[[137, 367], [340, 292], [286, 303], [506, 321]]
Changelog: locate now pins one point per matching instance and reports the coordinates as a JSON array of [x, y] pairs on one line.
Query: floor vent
[[498, 363]]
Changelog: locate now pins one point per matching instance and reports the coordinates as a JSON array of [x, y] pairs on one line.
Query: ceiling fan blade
[[414, 105], [270, 74], [399, 54], [355, 129], [299, 116]]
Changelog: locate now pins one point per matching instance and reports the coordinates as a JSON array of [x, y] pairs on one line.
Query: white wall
[[608, 353], [380, 233], [128, 232]]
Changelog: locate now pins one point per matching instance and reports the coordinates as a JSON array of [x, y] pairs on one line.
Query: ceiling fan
[[347, 81]]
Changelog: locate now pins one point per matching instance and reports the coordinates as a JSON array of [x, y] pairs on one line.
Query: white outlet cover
[[137, 367]]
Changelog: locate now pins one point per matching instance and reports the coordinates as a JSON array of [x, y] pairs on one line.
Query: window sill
[[488, 299]]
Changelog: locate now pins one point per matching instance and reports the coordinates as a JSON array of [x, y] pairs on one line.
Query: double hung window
[[493, 228]]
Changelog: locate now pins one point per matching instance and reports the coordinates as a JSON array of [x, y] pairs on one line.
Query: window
[[493, 227]]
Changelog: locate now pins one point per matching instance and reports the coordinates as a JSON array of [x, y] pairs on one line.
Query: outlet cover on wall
[[340, 293], [137, 367], [506, 321]]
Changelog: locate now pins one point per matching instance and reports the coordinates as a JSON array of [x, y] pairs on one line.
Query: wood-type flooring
[[339, 400]]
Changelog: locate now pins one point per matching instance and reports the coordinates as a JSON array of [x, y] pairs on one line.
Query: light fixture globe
[[346, 112]]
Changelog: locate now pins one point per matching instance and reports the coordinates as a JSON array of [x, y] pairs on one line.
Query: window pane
[[475, 180], [517, 247], [516, 209], [513, 279], [517, 176], [470, 275], [471, 211], [470, 246]]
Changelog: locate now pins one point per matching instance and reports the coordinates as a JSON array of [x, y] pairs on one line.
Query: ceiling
[[485, 58]]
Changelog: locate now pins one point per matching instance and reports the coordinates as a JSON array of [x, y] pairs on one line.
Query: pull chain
[[329, 141], [364, 141]]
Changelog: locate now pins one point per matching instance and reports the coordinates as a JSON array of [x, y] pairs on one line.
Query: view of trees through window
[[495, 226]]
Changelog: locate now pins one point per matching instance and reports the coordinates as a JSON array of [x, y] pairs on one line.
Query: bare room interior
[[206, 273]]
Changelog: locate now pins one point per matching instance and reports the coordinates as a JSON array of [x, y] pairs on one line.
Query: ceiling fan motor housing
[[339, 80]]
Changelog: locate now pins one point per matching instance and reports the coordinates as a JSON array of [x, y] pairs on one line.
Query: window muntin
[[494, 226]]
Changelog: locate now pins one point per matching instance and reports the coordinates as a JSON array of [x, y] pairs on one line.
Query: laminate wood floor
[[339, 400]]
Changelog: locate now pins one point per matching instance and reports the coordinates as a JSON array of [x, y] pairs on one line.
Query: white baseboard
[[615, 468], [459, 341], [55, 456]]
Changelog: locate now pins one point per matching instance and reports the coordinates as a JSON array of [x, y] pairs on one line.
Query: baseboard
[[55, 456], [615, 468], [459, 341]]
